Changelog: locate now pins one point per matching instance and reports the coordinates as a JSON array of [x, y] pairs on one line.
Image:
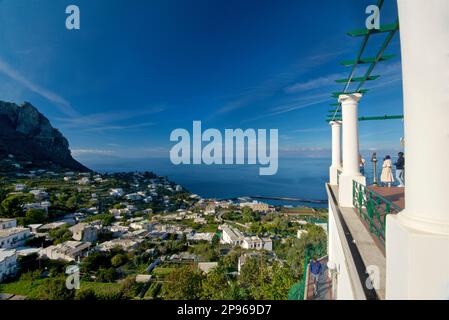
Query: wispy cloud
[[317, 129], [120, 127], [79, 152], [93, 122], [276, 83], [108, 121], [306, 152], [295, 104], [315, 83], [62, 104]]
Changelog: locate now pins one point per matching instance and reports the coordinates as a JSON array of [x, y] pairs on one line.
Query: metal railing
[[373, 209]]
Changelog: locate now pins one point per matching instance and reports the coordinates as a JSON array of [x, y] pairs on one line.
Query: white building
[[13, 237], [19, 187], [257, 243], [68, 251], [8, 263], [210, 209], [134, 197], [231, 235], [300, 233], [143, 225], [6, 223], [201, 236], [125, 244], [117, 192], [207, 267], [256, 206], [84, 181], [84, 232], [44, 205], [39, 194]]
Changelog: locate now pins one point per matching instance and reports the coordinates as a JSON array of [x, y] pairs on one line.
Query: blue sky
[[136, 70]]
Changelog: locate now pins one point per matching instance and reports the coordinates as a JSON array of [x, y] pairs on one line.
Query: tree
[[72, 202], [11, 206], [206, 251], [85, 294], [247, 214], [55, 289], [95, 261], [35, 216], [249, 272], [118, 260], [106, 275], [129, 288], [107, 220], [60, 235], [215, 286], [230, 260], [183, 284], [215, 241], [282, 280]]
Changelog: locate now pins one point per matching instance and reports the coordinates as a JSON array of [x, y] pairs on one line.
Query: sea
[[297, 178], [300, 178]]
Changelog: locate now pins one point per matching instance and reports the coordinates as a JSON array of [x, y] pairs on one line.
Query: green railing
[[297, 291], [373, 209]]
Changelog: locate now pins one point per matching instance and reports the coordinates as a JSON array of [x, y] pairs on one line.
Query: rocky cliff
[[29, 136]]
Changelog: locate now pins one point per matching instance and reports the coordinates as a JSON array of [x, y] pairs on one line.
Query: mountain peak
[[28, 135]]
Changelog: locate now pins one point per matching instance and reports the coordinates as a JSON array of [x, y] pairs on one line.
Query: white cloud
[[63, 105], [316, 83], [79, 152], [317, 129], [275, 84]]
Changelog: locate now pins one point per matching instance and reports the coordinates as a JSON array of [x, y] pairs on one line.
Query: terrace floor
[[393, 194]]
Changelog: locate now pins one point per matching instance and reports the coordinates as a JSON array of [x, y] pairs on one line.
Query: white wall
[[343, 288]]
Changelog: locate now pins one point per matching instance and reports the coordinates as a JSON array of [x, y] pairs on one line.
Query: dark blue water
[[302, 178]]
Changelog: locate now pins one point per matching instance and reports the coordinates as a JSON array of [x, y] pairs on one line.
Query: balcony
[[359, 236]]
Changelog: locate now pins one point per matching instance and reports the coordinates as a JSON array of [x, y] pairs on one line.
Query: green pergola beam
[[370, 118], [379, 55], [349, 63], [381, 118], [360, 52], [357, 60], [359, 79], [382, 29]]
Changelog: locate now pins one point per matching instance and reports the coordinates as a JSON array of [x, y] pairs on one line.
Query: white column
[[336, 152], [351, 171], [418, 237]]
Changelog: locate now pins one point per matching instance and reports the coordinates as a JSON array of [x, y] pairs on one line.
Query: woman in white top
[[387, 172]]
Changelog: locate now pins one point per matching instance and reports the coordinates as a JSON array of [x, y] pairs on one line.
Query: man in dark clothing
[[400, 169], [315, 271]]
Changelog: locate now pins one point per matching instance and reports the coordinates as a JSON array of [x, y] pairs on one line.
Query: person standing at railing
[[400, 169], [315, 272], [387, 173], [362, 164]]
